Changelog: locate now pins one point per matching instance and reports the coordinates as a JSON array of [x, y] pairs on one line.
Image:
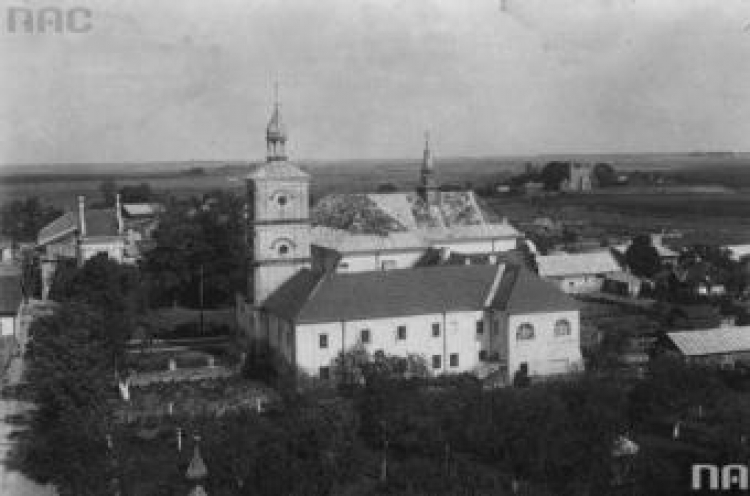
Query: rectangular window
[[454, 360], [325, 373], [480, 327], [437, 361], [323, 340], [482, 356], [436, 330], [401, 333], [364, 336]]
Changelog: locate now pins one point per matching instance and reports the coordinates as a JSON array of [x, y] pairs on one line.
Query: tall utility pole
[[384, 463], [200, 299]]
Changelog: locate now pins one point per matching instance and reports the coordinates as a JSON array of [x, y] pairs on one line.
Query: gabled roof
[[10, 294], [522, 291], [711, 341], [99, 222], [573, 264], [65, 224], [310, 298]]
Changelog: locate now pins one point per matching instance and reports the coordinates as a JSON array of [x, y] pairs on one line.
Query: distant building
[[722, 346], [578, 272], [580, 178], [739, 252]]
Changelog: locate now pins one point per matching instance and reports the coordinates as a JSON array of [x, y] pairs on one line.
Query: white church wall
[[379, 261], [457, 336], [474, 247], [545, 353]]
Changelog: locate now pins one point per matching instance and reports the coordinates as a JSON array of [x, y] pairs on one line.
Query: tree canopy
[[642, 257], [21, 220], [197, 238]]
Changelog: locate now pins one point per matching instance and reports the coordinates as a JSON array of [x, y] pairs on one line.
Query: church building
[[319, 285]]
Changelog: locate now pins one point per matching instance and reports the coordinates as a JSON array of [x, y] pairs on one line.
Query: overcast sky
[[193, 79]]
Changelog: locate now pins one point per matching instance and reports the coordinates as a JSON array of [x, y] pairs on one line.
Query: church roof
[[522, 291], [346, 242], [458, 216], [313, 298], [277, 170]]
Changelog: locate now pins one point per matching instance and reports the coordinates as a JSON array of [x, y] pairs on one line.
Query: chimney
[[118, 212], [82, 216]]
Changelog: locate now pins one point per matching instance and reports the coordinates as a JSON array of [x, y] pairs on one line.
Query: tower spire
[[276, 132], [427, 182]]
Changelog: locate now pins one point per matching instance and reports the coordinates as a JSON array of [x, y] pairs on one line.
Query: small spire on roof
[[197, 468]]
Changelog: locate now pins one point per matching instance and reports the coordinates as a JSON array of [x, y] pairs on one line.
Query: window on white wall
[[480, 327], [364, 336], [454, 360], [437, 361], [436, 329], [524, 332], [325, 373], [323, 340], [562, 328], [401, 333]]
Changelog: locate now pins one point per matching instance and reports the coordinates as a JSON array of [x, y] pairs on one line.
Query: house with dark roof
[[10, 303], [460, 318]]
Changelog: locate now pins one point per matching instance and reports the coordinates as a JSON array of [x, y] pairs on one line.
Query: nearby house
[[722, 346], [460, 318], [11, 298], [117, 232], [578, 272]]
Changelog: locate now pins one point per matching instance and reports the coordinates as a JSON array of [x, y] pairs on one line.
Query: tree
[[140, 193], [21, 220], [605, 175], [642, 257], [194, 233], [70, 375], [554, 173], [108, 190], [387, 188]]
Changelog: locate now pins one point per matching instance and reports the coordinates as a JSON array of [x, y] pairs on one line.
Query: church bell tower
[[278, 216]]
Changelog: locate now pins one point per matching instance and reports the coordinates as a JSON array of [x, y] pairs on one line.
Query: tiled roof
[[99, 222], [346, 242], [310, 298], [277, 170], [712, 341], [457, 216], [10, 294], [572, 264], [522, 291], [67, 222]]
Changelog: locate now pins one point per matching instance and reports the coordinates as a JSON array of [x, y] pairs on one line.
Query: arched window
[[525, 331], [283, 249], [562, 328]]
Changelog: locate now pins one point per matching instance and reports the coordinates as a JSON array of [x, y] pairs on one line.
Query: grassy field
[[720, 216]]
